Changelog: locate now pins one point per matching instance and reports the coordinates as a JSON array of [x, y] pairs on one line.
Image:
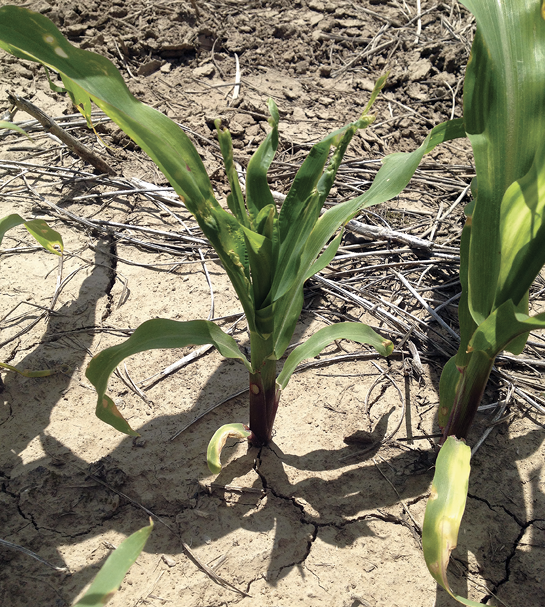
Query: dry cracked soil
[[330, 513]]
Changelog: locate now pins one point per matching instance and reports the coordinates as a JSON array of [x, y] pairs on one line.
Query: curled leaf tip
[[388, 345], [218, 441]]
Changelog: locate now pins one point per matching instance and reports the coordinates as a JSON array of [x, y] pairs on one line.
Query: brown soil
[[326, 515]]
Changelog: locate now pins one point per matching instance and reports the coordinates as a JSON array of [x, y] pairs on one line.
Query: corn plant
[[267, 253], [503, 241]]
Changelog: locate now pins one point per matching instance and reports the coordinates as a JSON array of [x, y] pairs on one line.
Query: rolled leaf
[[235, 199], [111, 574], [258, 193], [151, 335], [307, 195], [353, 331], [217, 443], [445, 509]]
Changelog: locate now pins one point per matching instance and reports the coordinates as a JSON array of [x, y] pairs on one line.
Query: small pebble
[[169, 560]]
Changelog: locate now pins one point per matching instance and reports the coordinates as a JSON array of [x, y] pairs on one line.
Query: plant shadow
[[60, 499]]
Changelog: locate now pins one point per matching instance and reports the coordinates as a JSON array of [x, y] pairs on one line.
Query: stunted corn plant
[[267, 253]]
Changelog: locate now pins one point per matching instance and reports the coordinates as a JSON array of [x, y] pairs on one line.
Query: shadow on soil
[[57, 501]]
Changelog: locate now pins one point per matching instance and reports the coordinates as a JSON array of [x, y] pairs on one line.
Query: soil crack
[[112, 271], [510, 557], [492, 507]]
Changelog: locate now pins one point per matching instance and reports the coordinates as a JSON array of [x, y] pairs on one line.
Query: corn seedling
[[503, 241], [268, 254]]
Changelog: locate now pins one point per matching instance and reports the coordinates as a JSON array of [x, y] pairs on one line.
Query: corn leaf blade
[[111, 574], [450, 376], [305, 212], [504, 96], [151, 335], [326, 257], [258, 193], [217, 443], [522, 232], [235, 199], [91, 77], [49, 238], [353, 331], [307, 195], [4, 124], [467, 323], [391, 179], [504, 325]]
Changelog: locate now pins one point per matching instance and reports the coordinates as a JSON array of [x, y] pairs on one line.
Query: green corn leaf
[[152, 335], [391, 179], [235, 199], [50, 239], [379, 85], [522, 232], [289, 261], [258, 193], [111, 574], [503, 326], [467, 324], [302, 187], [4, 124], [266, 221], [450, 377], [9, 222], [301, 210], [290, 249], [517, 344], [504, 96], [91, 77], [217, 443], [326, 257], [307, 195], [354, 331], [445, 509], [260, 253]]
